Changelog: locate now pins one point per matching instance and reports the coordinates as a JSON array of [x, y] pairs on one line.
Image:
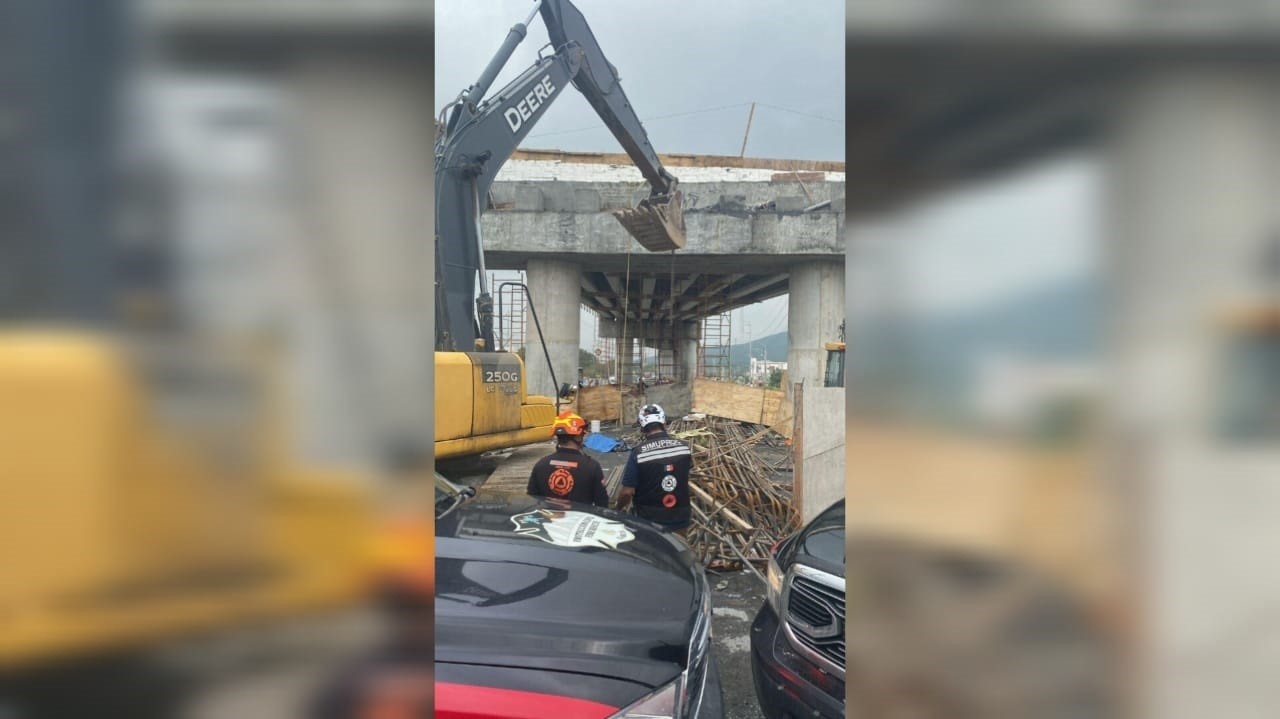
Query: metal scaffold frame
[[509, 328], [713, 349], [605, 349]]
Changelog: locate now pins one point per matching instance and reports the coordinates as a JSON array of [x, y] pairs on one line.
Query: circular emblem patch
[[560, 481], [668, 483], [668, 500]]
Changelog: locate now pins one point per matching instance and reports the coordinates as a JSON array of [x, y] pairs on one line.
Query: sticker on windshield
[[572, 529]]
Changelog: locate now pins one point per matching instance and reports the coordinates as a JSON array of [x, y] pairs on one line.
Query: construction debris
[[740, 512]]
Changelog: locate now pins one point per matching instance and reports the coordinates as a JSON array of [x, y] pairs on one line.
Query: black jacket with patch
[[659, 470], [571, 475]]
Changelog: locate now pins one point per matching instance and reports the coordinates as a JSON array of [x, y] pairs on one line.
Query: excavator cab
[[834, 375]]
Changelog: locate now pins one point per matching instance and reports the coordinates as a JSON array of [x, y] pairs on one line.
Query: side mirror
[[565, 391]]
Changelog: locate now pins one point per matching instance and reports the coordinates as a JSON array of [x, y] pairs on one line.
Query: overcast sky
[[992, 242], [691, 70], [678, 58]]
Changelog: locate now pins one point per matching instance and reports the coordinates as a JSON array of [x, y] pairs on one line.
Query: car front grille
[[815, 616]]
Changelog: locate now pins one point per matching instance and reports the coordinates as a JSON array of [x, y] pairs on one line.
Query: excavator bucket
[[657, 223]]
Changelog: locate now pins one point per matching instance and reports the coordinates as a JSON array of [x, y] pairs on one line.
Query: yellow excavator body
[[481, 404], [122, 526]]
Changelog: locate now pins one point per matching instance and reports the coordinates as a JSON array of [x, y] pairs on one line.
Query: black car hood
[[509, 592]]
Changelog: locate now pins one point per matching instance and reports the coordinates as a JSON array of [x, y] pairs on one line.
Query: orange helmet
[[569, 424]]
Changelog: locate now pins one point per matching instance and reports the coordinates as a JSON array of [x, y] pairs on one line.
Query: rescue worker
[[656, 478], [568, 473]]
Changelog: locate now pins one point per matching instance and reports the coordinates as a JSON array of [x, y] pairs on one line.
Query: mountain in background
[[1059, 322], [933, 360], [773, 347]]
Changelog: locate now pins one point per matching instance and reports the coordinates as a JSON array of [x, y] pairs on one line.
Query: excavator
[[481, 401], [151, 494]]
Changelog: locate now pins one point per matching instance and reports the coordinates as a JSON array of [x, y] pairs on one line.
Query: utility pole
[[745, 135]]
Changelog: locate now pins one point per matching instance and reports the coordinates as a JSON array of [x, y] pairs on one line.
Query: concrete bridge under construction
[[1180, 99], [757, 229]]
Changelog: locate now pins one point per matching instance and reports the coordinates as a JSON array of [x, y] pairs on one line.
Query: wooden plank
[[797, 446], [736, 401], [712, 503], [1043, 507], [798, 176], [602, 403], [683, 160], [609, 403]]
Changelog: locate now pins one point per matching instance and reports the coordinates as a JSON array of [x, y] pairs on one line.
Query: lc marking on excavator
[[524, 109]]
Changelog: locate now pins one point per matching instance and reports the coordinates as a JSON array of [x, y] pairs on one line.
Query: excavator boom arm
[[598, 81], [479, 135]]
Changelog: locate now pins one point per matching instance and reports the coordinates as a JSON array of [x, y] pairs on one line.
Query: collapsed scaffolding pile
[[739, 511]]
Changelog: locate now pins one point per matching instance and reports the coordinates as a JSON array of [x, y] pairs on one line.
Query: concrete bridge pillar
[[687, 359], [1192, 160], [815, 308], [627, 355], [553, 286], [366, 165]]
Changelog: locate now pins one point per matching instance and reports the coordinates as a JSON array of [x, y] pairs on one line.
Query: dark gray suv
[[797, 639]]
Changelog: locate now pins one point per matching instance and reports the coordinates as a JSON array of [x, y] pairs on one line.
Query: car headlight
[[661, 704], [773, 575], [675, 700]]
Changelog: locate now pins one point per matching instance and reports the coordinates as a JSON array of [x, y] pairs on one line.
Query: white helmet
[[651, 413]]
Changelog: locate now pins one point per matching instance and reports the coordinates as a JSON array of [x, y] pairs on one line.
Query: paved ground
[[736, 598]]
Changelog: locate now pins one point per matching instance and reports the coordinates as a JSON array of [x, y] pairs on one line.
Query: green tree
[[587, 362], [775, 379]]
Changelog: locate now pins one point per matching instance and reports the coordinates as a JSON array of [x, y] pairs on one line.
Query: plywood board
[[602, 403], [1043, 507], [736, 401]]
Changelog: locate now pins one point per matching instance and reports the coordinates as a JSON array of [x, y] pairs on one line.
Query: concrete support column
[[1192, 161], [815, 308], [687, 359], [361, 305], [629, 361], [553, 286]]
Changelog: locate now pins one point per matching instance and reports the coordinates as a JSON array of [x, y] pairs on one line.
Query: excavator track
[[656, 224]]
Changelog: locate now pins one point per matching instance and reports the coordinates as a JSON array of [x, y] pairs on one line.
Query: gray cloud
[[675, 57], [678, 57]]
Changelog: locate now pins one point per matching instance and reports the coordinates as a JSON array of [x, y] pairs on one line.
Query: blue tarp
[[600, 443]]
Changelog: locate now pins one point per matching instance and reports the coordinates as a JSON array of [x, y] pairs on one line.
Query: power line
[[777, 317], [802, 114], [696, 112], [597, 126]]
